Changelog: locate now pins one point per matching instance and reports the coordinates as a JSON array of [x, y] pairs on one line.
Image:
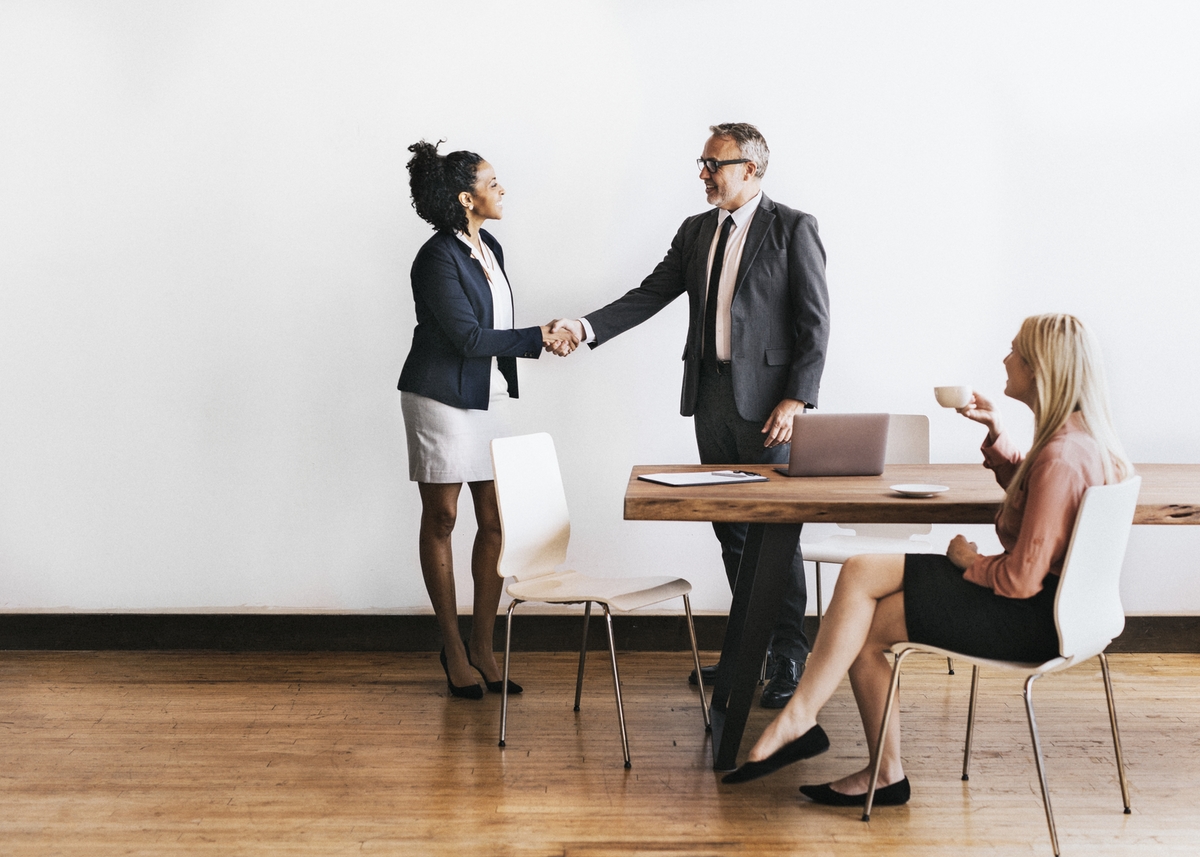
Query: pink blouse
[[1036, 528]]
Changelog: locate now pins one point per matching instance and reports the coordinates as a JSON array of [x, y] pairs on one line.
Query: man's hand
[[778, 427], [962, 552], [572, 324], [559, 339]]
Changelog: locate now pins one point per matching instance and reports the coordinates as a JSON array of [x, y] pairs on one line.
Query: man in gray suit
[[754, 274]]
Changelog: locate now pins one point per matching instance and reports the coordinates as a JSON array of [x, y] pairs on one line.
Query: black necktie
[[710, 304]]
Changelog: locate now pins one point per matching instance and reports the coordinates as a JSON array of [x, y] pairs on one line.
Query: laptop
[[837, 445]]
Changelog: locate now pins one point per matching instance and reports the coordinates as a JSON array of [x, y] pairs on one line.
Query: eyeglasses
[[712, 164]]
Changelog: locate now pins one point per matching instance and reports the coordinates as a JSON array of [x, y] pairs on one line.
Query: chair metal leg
[[687, 608], [1112, 718], [587, 617], [762, 670], [950, 665], [966, 775], [612, 651], [504, 687], [887, 716], [820, 600], [1041, 765]]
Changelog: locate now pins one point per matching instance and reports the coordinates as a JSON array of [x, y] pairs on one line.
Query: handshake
[[562, 336]]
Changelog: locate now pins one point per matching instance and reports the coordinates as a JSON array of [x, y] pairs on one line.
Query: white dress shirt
[[734, 244]]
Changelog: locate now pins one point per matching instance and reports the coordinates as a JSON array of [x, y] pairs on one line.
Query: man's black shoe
[[783, 682], [709, 673]]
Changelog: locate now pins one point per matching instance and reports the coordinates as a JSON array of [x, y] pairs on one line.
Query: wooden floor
[[325, 754]]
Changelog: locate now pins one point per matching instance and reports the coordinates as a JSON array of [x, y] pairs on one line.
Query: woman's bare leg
[[485, 557], [870, 678], [439, 511], [864, 581]]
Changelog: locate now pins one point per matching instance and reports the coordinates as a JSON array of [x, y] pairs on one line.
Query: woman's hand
[[962, 552], [561, 341], [981, 410]]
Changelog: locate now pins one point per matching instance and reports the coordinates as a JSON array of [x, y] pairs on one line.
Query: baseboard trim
[[358, 632]]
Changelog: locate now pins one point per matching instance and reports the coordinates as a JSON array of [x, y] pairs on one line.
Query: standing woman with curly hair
[[455, 388]]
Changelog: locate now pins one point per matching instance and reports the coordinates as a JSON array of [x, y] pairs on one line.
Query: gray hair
[[749, 142]]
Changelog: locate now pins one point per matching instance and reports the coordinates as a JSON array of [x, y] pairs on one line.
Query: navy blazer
[[454, 343], [779, 314]]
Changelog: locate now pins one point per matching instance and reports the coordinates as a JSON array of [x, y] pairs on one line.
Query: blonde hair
[[1069, 378]]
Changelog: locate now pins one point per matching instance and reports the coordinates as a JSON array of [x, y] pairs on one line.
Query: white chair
[[536, 528], [907, 443], [1087, 611]]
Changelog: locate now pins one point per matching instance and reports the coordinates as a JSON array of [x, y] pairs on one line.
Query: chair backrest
[[1087, 607], [907, 443], [533, 506]]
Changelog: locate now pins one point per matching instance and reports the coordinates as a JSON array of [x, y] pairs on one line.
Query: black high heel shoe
[[496, 686], [467, 691]]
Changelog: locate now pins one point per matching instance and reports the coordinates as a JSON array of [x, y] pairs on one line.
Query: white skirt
[[448, 444]]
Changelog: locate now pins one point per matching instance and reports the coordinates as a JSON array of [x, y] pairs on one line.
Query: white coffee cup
[[953, 397]]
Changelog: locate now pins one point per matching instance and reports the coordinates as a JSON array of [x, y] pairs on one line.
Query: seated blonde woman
[[993, 606]]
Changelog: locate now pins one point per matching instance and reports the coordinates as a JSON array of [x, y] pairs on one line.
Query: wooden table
[[776, 511]]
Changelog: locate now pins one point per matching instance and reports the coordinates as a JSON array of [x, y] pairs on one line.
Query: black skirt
[[942, 609]]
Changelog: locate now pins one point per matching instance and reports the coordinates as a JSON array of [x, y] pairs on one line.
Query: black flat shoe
[[814, 742], [496, 686], [467, 691], [894, 795]]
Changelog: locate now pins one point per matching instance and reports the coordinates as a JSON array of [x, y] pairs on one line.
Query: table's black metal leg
[[762, 577]]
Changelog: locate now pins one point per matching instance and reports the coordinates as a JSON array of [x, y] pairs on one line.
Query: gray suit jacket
[[780, 309]]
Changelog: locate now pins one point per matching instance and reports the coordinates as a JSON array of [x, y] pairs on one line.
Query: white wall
[[205, 239]]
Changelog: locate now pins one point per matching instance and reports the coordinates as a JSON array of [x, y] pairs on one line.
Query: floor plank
[[208, 753]]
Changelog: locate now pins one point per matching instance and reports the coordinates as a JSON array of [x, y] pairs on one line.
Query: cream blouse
[[502, 302]]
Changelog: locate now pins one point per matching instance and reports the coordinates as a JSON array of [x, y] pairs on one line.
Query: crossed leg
[[865, 615]]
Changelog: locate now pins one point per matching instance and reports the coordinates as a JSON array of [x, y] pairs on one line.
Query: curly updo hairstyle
[[437, 180]]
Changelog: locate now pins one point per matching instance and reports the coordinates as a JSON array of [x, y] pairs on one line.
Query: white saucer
[[919, 490]]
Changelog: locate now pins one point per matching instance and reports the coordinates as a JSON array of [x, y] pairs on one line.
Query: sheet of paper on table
[[710, 477]]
